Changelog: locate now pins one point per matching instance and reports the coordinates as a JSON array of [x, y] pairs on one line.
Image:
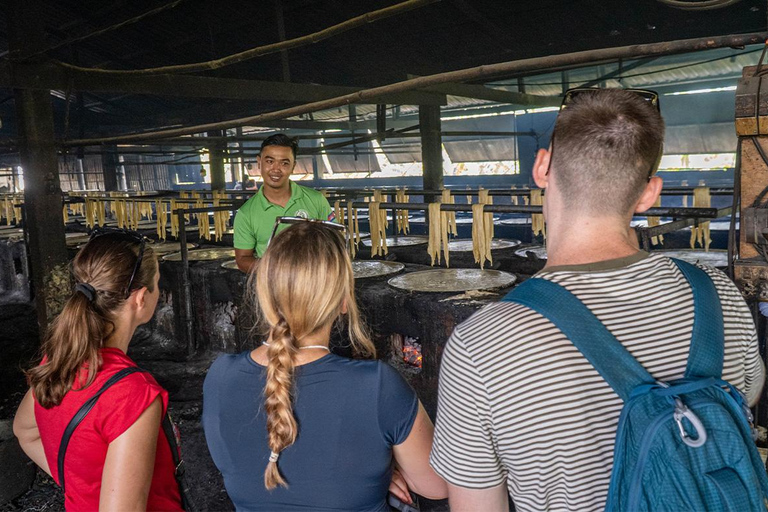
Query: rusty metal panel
[[752, 104], [755, 225], [751, 277], [754, 178]]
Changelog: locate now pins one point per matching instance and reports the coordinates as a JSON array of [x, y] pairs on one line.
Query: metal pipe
[[186, 288], [675, 225], [703, 213]]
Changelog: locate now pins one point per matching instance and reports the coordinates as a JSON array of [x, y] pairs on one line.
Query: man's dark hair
[[604, 146], [281, 139]]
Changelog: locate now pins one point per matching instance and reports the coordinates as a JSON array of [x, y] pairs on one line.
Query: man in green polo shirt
[[278, 197]]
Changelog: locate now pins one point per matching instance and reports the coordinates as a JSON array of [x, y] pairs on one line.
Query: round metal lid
[[74, 239], [401, 241], [537, 250], [453, 280], [515, 221], [467, 219], [375, 268], [465, 245], [216, 253], [231, 265], [163, 248], [713, 258], [11, 233]]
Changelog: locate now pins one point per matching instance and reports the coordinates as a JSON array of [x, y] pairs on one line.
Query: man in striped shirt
[[521, 411]]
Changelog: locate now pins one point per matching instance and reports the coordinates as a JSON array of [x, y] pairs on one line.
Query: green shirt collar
[[296, 194]]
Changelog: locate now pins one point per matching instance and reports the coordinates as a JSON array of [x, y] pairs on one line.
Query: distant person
[[118, 457], [521, 410], [278, 197], [292, 426]]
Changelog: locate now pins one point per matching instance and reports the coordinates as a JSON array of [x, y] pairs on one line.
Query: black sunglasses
[[128, 236], [651, 97], [297, 220]]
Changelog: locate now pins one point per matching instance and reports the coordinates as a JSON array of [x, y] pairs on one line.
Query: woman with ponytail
[[292, 426], [117, 458]]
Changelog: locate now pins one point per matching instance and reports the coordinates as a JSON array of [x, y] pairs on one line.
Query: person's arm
[[412, 458], [493, 499], [245, 259], [130, 463], [244, 240], [26, 431]]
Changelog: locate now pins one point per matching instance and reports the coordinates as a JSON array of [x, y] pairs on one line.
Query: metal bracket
[[755, 225]]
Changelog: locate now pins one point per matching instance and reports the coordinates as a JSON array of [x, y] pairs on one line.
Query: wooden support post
[[281, 35], [216, 152], [43, 218], [109, 168], [431, 147]]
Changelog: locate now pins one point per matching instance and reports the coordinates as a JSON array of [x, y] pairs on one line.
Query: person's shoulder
[[226, 363], [250, 204], [360, 371], [312, 196], [495, 318]]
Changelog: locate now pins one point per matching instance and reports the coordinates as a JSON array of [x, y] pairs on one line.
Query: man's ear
[[541, 168], [649, 195]]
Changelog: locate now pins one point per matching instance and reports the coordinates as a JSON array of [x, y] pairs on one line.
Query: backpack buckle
[[681, 411]]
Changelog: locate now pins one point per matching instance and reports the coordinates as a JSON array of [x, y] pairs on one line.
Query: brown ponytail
[[74, 338], [303, 282]]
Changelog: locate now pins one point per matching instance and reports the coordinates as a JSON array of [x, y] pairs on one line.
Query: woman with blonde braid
[[323, 430]]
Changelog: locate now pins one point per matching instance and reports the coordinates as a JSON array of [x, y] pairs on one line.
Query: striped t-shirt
[[518, 402]]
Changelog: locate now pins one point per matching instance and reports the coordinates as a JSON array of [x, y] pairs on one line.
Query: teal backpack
[[680, 445]]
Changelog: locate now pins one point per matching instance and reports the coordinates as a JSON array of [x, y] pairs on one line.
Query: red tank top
[[117, 409]]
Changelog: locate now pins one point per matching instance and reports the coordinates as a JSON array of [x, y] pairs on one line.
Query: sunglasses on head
[[570, 95], [298, 220], [127, 236]]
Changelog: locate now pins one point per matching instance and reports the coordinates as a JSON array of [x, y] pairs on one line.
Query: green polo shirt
[[256, 218]]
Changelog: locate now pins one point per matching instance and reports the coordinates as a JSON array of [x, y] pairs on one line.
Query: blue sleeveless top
[[350, 414]]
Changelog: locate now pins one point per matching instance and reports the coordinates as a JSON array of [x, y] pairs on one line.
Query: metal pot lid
[[375, 268], [465, 245], [216, 253], [230, 265], [453, 280], [536, 250], [163, 248], [401, 241]]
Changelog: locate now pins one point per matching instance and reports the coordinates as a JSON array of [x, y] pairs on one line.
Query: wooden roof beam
[[50, 76], [481, 92]]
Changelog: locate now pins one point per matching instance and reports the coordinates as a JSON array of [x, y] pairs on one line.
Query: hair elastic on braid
[[273, 456], [87, 290]]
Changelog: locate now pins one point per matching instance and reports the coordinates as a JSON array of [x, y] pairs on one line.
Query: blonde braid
[[281, 424]]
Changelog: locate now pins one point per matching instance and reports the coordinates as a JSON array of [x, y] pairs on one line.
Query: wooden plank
[[431, 148]]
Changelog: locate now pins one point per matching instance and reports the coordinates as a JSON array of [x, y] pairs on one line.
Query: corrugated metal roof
[[706, 138]]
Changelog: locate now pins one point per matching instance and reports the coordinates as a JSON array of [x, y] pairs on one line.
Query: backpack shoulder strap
[[705, 356], [608, 356], [83, 412]]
